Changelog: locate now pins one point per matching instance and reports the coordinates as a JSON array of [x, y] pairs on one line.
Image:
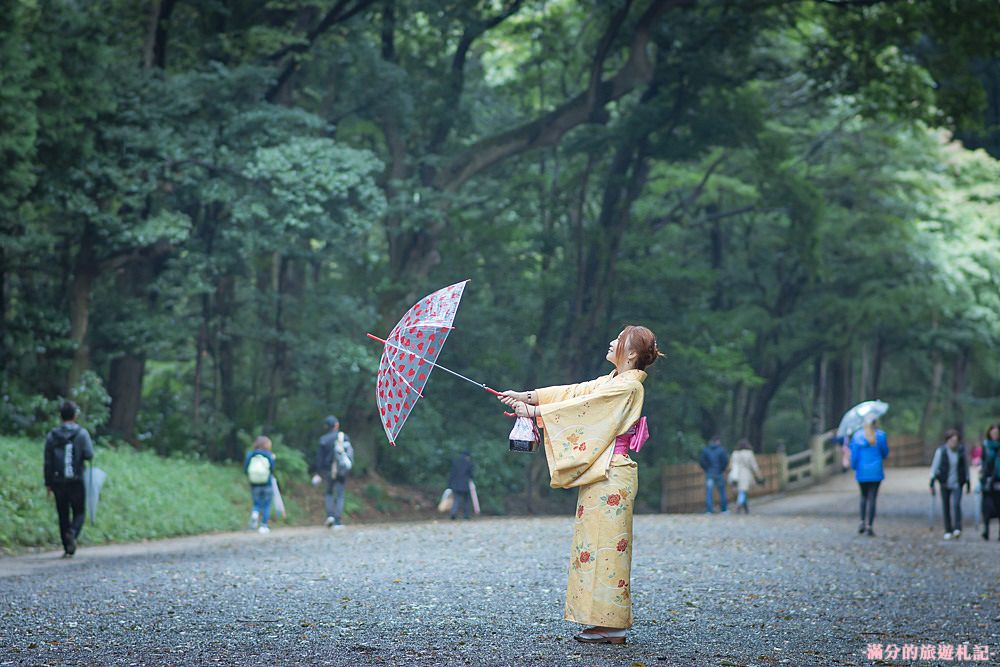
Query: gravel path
[[790, 584]]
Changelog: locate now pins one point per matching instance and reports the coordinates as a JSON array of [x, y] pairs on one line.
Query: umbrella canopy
[[93, 480], [411, 349], [855, 417]]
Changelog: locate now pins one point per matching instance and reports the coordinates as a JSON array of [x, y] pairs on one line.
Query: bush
[[32, 415]]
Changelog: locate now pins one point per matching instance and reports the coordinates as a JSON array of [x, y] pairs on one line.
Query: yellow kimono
[[581, 422]]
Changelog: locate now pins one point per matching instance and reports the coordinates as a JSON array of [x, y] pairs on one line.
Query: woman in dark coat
[[458, 482]]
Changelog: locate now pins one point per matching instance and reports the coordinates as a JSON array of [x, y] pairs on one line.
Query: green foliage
[[18, 115], [93, 399], [26, 414]]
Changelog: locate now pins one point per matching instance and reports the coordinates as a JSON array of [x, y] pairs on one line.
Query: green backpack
[[259, 469]]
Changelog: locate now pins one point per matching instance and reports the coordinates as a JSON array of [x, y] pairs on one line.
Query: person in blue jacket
[[868, 449]]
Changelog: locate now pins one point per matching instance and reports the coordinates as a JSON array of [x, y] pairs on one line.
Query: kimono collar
[[631, 374]]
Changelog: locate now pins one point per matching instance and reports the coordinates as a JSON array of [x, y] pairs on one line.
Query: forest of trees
[[205, 205]]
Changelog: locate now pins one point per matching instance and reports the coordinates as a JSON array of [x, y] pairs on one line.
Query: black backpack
[[65, 460]]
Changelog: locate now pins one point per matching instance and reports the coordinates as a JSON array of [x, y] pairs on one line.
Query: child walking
[[259, 467]]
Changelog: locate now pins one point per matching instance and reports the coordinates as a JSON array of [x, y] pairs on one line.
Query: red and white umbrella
[[410, 352]]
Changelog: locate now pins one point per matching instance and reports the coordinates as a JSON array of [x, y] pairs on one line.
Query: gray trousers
[[334, 498]]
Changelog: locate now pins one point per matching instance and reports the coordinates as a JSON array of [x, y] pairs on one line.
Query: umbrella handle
[[497, 393]]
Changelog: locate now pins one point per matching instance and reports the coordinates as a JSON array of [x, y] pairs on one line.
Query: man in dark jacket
[[713, 461], [458, 482], [334, 461], [66, 448]]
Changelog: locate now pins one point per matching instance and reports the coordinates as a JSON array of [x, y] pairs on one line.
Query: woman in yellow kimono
[[589, 430]]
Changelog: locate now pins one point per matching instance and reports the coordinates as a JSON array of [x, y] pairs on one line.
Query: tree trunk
[[367, 436], [820, 417], [534, 469], [125, 389], [154, 53], [85, 270], [840, 387], [761, 405], [201, 351], [3, 309], [740, 398], [877, 362], [867, 383], [775, 374], [958, 386], [925, 418], [276, 346], [226, 360], [592, 304]]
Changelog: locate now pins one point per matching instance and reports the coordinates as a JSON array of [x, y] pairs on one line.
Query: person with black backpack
[[334, 461], [66, 448]]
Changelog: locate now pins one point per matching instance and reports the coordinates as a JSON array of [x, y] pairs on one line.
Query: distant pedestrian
[[989, 478], [844, 442], [950, 469], [334, 462], [744, 472], [713, 460], [976, 455], [459, 481], [259, 467], [66, 448], [869, 448]]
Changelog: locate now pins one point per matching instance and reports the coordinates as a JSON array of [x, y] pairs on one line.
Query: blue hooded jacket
[[867, 459]]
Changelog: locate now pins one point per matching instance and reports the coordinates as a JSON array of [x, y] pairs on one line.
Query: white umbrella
[[277, 502], [92, 482], [977, 502], [855, 417], [474, 496]]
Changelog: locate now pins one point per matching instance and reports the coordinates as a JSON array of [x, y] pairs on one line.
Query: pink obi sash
[[633, 439]]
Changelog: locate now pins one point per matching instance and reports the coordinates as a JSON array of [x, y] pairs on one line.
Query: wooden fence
[[907, 450], [683, 485]]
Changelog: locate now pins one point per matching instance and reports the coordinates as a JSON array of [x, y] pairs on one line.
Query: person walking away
[[989, 479], [844, 442], [744, 473], [259, 467], [713, 460], [976, 456], [869, 449], [67, 446], [334, 462], [458, 482], [950, 469], [590, 429]]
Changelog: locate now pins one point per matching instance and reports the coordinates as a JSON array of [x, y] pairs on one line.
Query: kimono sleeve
[[567, 391], [580, 431]]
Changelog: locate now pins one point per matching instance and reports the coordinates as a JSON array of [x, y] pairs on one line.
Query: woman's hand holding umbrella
[[519, 401]]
